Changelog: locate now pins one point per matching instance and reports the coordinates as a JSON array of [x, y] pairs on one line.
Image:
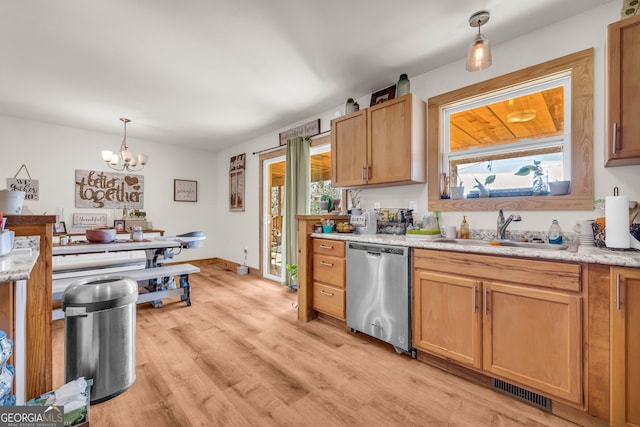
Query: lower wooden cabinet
[[329, 277], [625, 346], [447, 320], [533, 337], [530, 336]]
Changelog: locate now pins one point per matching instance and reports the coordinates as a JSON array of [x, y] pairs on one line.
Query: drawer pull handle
[[329, 294], [326, 247], [615, 138], [326, 264]]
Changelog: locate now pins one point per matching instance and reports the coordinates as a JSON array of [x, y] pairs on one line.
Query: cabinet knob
[[329, 294], [326, 264], [326, 247]]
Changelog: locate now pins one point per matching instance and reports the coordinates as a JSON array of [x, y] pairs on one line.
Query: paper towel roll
[[617, 221]]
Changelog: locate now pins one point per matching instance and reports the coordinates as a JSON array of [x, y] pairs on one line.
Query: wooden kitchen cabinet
[[623, 48], [329, 277], [380, 145], [625, 346], [448, 322], [349, 150], [513, 319], [534, 337]]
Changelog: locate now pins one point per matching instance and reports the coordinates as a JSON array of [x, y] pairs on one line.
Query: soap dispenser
[[464, 228]]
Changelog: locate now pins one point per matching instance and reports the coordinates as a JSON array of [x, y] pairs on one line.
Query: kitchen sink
[[508, 243]]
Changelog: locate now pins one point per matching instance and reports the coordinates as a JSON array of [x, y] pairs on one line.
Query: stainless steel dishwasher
[[378, 293]]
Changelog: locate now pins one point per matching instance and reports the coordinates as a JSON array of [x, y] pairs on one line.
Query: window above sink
[[539, 118]]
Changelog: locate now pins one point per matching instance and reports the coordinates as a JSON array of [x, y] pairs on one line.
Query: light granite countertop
[[588, 254], [18, 264]]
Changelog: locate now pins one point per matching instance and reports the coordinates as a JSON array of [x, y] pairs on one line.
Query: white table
[[156, 251]]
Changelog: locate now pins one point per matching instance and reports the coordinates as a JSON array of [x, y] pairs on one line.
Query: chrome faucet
[[503, 224]]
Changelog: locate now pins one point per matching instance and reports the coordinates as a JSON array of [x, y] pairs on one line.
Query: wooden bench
[[150, 275]]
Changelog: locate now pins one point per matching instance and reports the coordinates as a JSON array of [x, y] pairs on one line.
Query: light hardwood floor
[[239, 357]]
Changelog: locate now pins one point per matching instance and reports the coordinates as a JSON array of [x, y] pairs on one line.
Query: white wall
[[586, 30], [53, 153]]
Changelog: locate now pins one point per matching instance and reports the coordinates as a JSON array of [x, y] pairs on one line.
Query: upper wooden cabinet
[[380, 145], [623, 147]]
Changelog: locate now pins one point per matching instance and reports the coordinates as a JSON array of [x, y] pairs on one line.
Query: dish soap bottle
[[555, 233], [464, 228]]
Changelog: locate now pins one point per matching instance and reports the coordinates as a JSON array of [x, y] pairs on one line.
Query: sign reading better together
[[97, 189]]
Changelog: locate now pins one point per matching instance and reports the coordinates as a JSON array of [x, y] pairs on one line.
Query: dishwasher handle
[[378, 249]]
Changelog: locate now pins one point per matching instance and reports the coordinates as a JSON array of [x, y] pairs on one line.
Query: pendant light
[[479, 55], [130, 161]]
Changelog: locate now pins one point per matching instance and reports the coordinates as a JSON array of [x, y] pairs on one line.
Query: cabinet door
[[447, 317], [545, 355], [390, 155], [623, 45], [349, 150], [625, 347]]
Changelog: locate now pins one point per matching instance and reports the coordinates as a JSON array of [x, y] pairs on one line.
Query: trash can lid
[[100, 292]]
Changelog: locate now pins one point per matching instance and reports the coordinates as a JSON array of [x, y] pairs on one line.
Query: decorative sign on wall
[[89, 219], [29, 186], [98, 189], [308, 129], [185, 190], [236, 182]]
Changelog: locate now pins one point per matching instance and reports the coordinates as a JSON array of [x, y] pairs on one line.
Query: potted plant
[[540, 187], [483, 191], [292, 269]]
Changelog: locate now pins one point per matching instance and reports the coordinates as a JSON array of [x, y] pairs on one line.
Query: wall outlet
[[413, 204], [376, 205]]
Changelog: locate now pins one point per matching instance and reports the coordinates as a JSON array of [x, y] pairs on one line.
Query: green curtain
[[296, 195]]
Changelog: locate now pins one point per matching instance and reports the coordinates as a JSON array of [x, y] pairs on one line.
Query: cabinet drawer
[[328, 247], [329, 300], [329, 269]]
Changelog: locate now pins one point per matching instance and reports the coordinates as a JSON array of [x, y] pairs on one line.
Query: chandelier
[[125, 159]]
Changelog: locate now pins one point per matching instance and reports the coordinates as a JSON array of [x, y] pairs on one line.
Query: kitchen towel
[[617, 221]]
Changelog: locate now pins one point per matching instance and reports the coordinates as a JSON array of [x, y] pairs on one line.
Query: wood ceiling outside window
[[320, 169], [536, 115]]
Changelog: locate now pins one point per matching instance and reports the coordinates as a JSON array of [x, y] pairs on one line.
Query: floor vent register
[[524, 395]]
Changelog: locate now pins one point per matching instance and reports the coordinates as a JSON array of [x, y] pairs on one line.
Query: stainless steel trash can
[[100, 334]]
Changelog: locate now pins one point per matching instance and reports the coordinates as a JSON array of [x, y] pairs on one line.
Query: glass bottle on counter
[[464, 228]]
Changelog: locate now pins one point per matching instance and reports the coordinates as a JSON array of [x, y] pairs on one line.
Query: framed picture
[[59, 228], [118, 224], [383, 95], [185, 190]]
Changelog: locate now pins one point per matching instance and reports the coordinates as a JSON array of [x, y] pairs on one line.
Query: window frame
[[580, 67]]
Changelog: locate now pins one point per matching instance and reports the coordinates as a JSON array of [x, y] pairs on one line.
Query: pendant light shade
[[479, 54]]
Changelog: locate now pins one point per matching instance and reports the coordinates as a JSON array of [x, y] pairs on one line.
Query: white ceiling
[[213, 73]]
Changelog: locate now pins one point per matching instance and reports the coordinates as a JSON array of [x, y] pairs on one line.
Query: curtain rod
[[284, 145]]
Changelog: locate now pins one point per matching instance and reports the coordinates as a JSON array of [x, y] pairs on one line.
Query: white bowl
[[558, 188]]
